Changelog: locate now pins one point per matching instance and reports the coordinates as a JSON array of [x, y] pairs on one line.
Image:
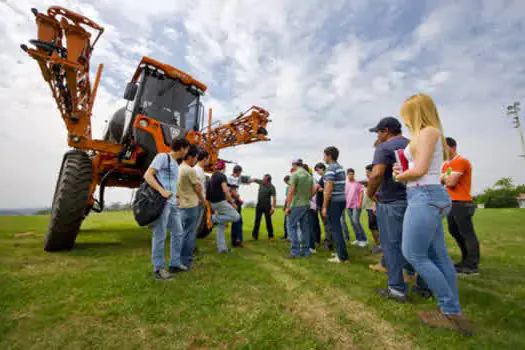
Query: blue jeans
[[224, 213], [355, 219], [236, 234], [335, 210], [299, 245], [390, 220], [189, 218], [170, 219], [424, 243], [344, 227]]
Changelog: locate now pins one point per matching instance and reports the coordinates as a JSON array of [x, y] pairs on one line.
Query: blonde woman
[[423, 243]]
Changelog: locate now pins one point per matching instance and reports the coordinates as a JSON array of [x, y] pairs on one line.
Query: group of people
[[412, 185]]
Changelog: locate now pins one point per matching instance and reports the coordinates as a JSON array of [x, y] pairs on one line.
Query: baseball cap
[[389, 123], [220, 164], [297, 161]]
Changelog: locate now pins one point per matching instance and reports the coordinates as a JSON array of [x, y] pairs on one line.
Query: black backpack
[[148, 203]]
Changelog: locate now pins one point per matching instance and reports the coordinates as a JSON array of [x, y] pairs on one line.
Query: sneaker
[[255, 238], [467, 271], [334, 254], [363, 244], [177, 269], [291, 257], [376, 249], [284, 238], [355, 243], [163, 275], [392, 295], [226, 251], [437, 319], [378, 268], [336, 260], [423, 293], [313, 251], [271, 239]]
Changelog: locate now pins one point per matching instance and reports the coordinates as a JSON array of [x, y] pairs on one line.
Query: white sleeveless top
[[434, 171]]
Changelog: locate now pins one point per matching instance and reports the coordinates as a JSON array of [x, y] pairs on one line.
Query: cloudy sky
[[326, 71]]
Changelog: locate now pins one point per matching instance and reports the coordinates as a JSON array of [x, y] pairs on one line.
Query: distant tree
[[249, 205], [502, 195], [43, 212]]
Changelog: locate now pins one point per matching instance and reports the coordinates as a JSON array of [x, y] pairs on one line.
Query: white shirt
[[202, 178], [434, 171]]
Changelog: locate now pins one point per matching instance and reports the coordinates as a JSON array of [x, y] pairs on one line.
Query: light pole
[[513, 112]]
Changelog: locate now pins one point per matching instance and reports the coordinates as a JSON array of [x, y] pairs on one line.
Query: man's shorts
[[372, 220]]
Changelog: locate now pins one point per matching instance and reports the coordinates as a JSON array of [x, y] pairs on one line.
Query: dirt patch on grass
[[322, 310], [313, 312], [24, 234]]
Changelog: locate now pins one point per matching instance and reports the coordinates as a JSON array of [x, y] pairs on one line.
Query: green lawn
[[102, 294]]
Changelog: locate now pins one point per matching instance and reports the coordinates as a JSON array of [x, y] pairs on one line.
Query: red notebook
[[401, 159]]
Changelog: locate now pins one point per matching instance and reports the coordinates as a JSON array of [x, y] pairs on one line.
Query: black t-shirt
[[390, 190], [264, 198], [319, 196], [214, 192]]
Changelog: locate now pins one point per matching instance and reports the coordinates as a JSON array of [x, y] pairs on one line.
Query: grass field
[[102, 294]]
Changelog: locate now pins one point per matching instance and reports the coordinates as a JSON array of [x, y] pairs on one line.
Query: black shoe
[[387, 293], [255, 238], [284, 238], [464, 270], [423, 293], [177, 269]]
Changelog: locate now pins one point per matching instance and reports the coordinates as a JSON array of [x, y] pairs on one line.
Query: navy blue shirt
[[390, 190]]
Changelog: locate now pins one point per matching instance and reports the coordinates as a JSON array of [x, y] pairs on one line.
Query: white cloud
[[311, 64]]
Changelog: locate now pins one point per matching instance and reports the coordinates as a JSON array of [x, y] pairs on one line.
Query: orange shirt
[[459, 165]]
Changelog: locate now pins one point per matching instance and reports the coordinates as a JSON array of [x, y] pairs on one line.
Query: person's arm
[[289, 199], [197, 187], [226, 191], [328, 186], [361, 195], [426, 145], [150, 178], [376, 178]]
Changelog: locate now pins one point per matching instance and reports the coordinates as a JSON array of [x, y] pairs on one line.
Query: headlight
[[174, 132], [143, 123]]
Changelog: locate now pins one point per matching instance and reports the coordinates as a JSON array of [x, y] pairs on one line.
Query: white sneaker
[[336, 260], [313, 251], [183, 267], [334, 254], [355, 242], [363, 244]]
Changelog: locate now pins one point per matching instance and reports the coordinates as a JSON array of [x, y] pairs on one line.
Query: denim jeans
[[189, 218], [355, 219], [344, 227], [335, 210], [236, 234], [424, 243], [170, 219], [299, 244], [224, 213], [390, 220]]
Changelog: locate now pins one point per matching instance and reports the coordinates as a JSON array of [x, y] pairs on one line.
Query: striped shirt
[[336, 174]]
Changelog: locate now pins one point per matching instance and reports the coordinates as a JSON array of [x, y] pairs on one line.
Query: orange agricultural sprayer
[[163, 103]]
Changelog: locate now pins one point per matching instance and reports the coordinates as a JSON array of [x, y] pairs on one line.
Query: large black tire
[[202, 229], [70, 201]]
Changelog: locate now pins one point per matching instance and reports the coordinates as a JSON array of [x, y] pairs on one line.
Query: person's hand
[[234, 205], [287, 211], [397, 170], [241, 202], [166, 194], [272, 211], [324, 213]]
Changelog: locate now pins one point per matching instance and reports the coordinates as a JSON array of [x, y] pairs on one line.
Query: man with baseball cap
[[391, 207]]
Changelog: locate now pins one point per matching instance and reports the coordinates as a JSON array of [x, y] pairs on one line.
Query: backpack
[[148, 203]]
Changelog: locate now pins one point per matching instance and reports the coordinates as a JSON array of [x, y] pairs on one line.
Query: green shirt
[[303, 183], [264, 198]]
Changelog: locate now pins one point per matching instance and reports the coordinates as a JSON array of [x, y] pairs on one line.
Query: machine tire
[[70, 201], [202, 229]]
